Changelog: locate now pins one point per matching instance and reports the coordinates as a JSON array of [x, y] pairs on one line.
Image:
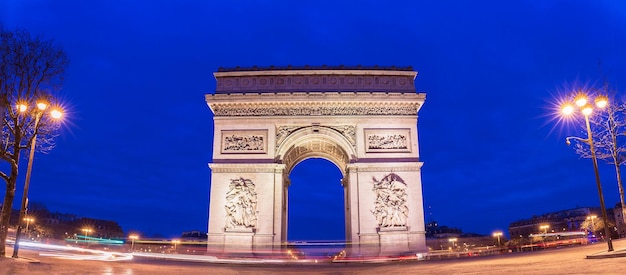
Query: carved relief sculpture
[[387, 140], [241, 200], [348, 131], [391, 208], [326, 110], [244, 142], [283, 131]]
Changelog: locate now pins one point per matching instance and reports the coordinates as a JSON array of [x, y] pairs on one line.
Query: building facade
[[577, 219], [363, 120]]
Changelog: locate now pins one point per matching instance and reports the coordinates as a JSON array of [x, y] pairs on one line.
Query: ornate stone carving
[[236, 110], [332, 151], [244, 142], [390, 206], [348, 131], [241, 200], [385, 169], [387, 140], [246, 168], [284, 131]]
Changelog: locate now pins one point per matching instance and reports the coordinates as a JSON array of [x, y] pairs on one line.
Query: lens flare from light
[[580, 100], [42, 105], [587, 110], [602, 101], [22, 107], [567, 109], [56, 114]]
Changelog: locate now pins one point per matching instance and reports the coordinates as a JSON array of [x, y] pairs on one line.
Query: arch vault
[[362, 120]]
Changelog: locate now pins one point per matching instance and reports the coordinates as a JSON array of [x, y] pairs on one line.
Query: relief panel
[[244, 142], [387, 140], [241, 202], [390, 205]]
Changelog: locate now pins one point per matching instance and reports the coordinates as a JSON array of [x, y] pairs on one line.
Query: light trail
[[94, 255], [68, 252]]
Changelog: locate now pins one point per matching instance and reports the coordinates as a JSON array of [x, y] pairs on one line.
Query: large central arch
[[363, 121]]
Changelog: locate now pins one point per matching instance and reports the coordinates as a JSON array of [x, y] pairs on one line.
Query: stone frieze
[[235, 110]]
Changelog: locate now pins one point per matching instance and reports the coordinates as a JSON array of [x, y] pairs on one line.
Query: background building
[[577, 219]]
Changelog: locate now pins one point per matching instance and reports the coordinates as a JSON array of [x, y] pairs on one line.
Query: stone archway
[[298, 143], [362, 120]]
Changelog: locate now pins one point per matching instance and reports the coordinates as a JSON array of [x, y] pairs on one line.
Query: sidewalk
[[621, 252], [24, 255]]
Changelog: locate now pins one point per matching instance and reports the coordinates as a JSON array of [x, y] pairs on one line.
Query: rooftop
[[310, 67]]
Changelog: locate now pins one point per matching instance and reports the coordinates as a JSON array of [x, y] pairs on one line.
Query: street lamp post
[[132, 241], [587, 109], [545, 228], [28, 221], [41, 107], [497, 234], [175, 242], [452, 240], [87, 231]]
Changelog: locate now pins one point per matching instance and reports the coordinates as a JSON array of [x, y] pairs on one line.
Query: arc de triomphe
[[364, 120]]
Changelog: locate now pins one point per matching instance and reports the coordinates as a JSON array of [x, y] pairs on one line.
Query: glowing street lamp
[[581, 101], [42, 106], [175, 242], [28, 220], [132, 241], [497, 234], [452, 240], [86, 232], [544, 228], [593, 224]]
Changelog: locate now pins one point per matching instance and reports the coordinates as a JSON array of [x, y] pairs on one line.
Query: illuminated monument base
[[363, 121]]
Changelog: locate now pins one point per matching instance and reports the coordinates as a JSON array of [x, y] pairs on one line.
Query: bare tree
[[31, 70], [609, 138]]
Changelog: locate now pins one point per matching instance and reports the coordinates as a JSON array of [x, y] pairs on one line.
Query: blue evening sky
[[138, 135]]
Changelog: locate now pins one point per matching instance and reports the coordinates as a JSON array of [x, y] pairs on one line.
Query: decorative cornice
[[309, 108], [407, 167], [264, 73], [249, 168]]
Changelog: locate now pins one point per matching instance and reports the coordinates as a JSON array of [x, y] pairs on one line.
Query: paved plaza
[[567, 260]]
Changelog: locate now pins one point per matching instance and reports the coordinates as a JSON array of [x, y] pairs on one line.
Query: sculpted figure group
[[391, 208], [241, 200]]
